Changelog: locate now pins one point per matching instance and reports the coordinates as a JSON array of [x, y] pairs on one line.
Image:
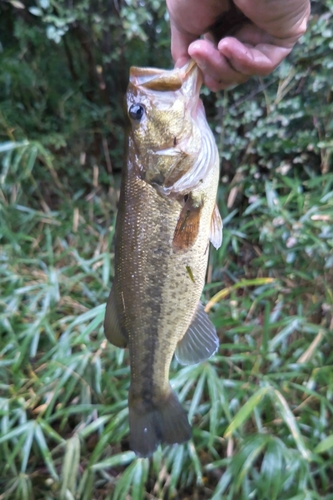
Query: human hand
[[263, 34]]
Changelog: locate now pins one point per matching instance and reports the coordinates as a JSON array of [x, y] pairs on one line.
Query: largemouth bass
[[167, 216]]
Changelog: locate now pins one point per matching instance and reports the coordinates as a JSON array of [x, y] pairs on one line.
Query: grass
[[262, 408]]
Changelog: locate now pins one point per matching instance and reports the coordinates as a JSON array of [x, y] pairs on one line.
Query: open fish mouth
[[188, 76], [160, 89]]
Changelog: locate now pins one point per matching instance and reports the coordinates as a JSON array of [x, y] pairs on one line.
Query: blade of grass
[[310, 351], [291, 422], [117, 460], [241, 284], [324, 445], [40, 439], [246, 410], [70, 468]]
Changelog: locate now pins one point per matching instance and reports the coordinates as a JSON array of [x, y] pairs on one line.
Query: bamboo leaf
[[140, 478], [324, 445], [290, 420], [241, 284], [248, 455], [197, 395], [196, 463], [117, 460], [177, 467], [39, 437], [16, 431], [124, 484], [70, 467], [26, 449], [97, 425], [246, 410], [7, 146]]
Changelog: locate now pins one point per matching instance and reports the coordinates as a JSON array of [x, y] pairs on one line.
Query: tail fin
[[166, 422]]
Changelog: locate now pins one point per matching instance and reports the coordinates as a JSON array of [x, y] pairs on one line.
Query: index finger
[[180, 42], [260, 60]]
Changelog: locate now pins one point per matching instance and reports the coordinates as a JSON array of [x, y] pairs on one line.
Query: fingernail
[[195, 45], [200, 62], [195, 51]]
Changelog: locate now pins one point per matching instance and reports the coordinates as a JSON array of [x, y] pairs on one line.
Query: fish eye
[[136, 112]]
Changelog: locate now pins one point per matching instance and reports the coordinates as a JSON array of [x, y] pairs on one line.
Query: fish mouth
[[167, 80]]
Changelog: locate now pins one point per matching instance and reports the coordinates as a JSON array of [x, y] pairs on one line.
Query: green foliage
[[262, 407], [64, 72]]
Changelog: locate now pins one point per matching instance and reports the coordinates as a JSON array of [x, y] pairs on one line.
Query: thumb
[[180, 42]]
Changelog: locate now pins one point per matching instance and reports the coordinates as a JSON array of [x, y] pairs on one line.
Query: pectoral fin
[[112, 328], [187, 227], [216, 227], [200, 341]]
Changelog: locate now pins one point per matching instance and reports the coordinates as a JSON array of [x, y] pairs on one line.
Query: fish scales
[[162, 239]]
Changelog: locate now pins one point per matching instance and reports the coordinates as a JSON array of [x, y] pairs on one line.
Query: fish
[[167, 217]]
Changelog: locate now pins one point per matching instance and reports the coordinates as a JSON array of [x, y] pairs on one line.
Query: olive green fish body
[[164, 225]]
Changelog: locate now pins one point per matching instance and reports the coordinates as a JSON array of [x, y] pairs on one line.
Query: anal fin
[[216, 227], [112, 328], [200, 341]]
